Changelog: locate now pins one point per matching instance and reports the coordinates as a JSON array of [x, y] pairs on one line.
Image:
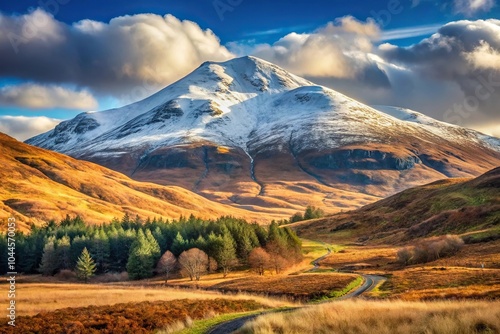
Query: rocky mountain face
[[247, 133]]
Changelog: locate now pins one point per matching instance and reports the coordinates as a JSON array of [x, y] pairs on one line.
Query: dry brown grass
[[394, 317], [301, 287], [443, 283], [374, 257], [137, 318], [35, 298]]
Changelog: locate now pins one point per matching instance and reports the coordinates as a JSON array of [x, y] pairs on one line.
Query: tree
[[313, 213], [153, 243], [194, 263], [85, 266], [259, 260], [49, 262], [226, 254], [179, 244], [141, 259], [167, 264], [100, 250], [63, 254]]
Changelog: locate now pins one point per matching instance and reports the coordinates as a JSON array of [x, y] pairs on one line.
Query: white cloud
[[22, 128], [471, 7], [338, 50], [33, 96], [143, 52], [485, 57]]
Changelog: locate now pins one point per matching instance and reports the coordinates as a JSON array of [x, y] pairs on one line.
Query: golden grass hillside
[[39, 185], [396, 317], [451, 206]]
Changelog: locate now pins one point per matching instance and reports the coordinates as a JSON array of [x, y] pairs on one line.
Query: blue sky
[[239, 27]]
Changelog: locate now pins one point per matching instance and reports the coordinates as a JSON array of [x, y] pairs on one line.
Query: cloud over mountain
[[129, 51]]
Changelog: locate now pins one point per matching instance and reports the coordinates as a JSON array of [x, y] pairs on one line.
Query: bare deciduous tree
[[194, 263], [259, 260], [166, 264]]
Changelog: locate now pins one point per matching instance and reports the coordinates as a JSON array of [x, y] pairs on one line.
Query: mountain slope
[[247, 133], [454, 206], [39, 185]]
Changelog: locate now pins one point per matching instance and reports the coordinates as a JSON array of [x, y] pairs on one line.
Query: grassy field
[[35, 298], [372, 258], [385, 317], [442, 283], [137, 318], [302, 287]]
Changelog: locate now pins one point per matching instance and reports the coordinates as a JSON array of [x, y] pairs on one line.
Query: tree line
[[142, 248]]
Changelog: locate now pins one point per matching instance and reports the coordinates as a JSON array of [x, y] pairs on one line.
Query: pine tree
[[85, 266], [63, 248], [49, 259], [155, 247], [141, 260], [226, 254], [179, 245], [100, 250]]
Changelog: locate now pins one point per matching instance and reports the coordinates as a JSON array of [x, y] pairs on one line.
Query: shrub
[[431, 249]]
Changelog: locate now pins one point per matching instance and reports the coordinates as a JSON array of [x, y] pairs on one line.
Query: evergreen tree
[[85, 266], [226, 254], [155, 247], [63, 248], [49, 259], [100, 250], [141, 260], [179, 245]]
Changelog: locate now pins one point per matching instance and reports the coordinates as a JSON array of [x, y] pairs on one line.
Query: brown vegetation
[[194, 263], [299, 287], [144, 317], [431, 249], [364, 317], [442, 283]]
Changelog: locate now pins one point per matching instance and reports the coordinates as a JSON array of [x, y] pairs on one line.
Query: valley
[[243, 196]]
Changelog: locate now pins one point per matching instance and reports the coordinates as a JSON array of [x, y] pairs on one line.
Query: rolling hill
[[455, 206], [38, 185]]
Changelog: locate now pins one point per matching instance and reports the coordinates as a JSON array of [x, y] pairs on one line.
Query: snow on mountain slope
[[442, 129], [248, 133]]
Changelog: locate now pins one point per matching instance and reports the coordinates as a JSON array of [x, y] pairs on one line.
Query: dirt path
[[370, 282]]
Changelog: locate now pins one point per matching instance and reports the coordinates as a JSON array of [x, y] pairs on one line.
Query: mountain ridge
[[246, 132]]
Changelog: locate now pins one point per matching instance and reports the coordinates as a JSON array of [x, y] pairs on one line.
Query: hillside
[[38, 185], [252, 135], [456, 206]]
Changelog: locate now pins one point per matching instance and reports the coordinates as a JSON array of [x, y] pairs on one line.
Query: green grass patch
[[202, 326], [340, 293]]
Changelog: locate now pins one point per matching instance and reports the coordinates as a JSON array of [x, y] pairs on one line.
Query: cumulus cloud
[[33, 96], [465, 54], [144, 50], [471, 7], [338, 50], [22, 128]]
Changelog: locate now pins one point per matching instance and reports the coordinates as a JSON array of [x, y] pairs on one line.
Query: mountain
[[39, 185], [456, 206], [247, 133]]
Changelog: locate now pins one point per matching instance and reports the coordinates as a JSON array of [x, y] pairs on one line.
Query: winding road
[[369, 283]]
